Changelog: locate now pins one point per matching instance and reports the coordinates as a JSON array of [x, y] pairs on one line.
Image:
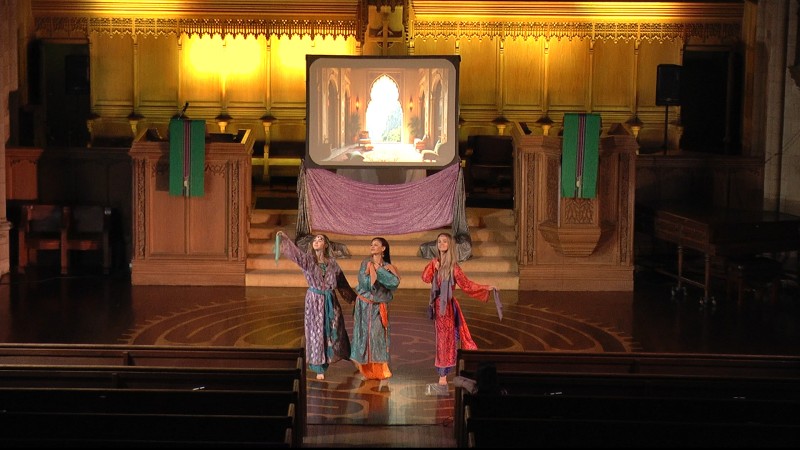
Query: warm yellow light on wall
[[210, 55], [292, 52], [204, 54], [243, 55], [628, 11]]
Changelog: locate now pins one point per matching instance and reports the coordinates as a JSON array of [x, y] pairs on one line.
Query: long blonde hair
[[447, 260]]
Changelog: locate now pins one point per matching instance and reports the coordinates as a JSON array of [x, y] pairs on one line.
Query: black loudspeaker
[[668, 85]]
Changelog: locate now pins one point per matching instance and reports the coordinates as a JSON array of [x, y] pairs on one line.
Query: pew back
[[762, 393], [119, 376]]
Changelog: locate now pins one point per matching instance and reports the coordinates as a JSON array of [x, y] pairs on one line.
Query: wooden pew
[[705, 390], [577, 433], [620, 407], [271, 404], [619, 362], [158, 367], [148, 401], [171, 430], [625, 374], [166, 379], [149, 355]]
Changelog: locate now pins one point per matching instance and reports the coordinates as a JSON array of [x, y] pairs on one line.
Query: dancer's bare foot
[[443, 381], [320, 376]]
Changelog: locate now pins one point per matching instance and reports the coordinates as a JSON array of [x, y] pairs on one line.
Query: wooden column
[[180, 240], [568, 244]]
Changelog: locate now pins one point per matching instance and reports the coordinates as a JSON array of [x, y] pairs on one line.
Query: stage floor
[[44, 307]]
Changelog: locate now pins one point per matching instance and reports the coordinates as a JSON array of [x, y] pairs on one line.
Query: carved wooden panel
[[572, 243], [111, 68], [21, 173], [570, 74], [613, 69], [478, 74], [523, 75], [191, 240], [158, 71]]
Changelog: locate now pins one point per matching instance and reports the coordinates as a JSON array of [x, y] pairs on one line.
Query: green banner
[[580, 155], [187, 157]]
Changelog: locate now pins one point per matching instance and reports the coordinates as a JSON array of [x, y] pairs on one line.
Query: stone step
[[494, 259], [405, 264], [496, 234], [404, 247], [476, 217], [410, 280]]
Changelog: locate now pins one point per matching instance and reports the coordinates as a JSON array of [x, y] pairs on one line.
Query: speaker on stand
[[668, 92]]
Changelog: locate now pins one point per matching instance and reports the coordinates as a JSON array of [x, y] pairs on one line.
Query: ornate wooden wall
[[242, 66]]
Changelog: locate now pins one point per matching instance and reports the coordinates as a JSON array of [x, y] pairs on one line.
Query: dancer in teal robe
[[377, 281]]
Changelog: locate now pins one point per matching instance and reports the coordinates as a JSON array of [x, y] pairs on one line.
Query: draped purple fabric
[[340, 205]]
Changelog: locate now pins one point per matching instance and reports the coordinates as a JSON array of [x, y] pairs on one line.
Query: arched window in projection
[[384, 112]]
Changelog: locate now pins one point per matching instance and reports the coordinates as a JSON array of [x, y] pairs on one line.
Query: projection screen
[[375, 111]]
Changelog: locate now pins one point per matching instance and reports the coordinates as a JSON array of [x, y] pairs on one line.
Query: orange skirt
[[375, 371]]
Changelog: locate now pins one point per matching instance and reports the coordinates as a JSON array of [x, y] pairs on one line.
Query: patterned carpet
[[274, 317]]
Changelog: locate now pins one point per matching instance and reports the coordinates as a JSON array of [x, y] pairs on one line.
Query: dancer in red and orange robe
[[444, 273]]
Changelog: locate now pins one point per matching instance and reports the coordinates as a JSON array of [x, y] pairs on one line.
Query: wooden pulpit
[[574, 243], [191, 240]]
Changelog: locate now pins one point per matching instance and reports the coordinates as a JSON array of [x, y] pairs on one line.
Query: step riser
[[493, 249], [477, 235], [504, 218], [481, 249], [407, 282], [404, 264]]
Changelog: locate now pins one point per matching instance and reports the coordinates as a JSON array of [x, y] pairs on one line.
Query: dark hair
[[387, 256]]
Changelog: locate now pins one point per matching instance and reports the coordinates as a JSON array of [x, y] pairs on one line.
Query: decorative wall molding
[[620, 31], [48, 27], [51, 27], [654, 21]]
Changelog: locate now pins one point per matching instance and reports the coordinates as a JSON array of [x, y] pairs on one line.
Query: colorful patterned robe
[[371, 328], [449, 324], [326, 336]]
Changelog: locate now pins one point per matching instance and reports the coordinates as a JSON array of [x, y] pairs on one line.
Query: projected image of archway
[[382, 111]]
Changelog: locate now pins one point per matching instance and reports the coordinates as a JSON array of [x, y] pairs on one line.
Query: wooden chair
[[88, 230], [42, 227], [64, 228]]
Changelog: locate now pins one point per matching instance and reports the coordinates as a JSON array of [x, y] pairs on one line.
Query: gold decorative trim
[[614, 31], [82, 26], [422, 29]]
